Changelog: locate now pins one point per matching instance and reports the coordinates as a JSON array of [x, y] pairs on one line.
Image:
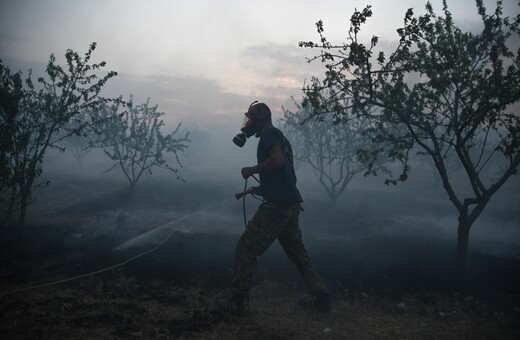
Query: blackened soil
[[382, 286]]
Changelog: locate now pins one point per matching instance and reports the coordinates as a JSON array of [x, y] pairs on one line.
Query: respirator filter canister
[[240, 139]]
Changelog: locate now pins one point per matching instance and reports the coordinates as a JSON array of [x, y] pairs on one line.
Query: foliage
[[11, 94], [35, 118], [452, 92], [329, 147], [79, 135], [134, 141]]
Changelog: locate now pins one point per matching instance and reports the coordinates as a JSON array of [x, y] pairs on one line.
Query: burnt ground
[[384, 285]]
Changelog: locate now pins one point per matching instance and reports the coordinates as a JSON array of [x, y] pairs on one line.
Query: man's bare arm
[[275, 161]]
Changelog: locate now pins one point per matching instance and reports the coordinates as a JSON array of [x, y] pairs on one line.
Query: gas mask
[[249, 127]]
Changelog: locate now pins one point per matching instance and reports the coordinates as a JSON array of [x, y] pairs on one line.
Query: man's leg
[[292, 244], [261, 232]]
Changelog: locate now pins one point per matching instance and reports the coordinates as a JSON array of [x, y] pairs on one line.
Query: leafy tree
[[11, 94], [447, 88], [329, 147], [79, 136], [35, 118], [134, 141]]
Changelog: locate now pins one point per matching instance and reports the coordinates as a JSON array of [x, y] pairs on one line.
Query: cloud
[[283, 61], [191, 99]]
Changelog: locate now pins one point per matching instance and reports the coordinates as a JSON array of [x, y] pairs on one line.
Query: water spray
[[124, 245]]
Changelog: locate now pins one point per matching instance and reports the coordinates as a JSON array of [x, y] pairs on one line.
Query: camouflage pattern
[[273, 222]]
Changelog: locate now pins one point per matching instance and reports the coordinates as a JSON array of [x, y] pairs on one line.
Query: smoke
[[414, 210]]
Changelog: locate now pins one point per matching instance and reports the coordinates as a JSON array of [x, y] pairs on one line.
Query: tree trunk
[[23, 207], [131, 189], [462, 246]]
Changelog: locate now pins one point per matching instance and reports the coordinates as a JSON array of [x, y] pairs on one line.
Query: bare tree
[[134, 141]]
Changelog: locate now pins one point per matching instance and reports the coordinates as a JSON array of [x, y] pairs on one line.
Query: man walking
[[277, 215]]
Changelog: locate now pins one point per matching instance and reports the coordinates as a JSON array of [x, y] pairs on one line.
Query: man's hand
[[255, 190], [248, 171]]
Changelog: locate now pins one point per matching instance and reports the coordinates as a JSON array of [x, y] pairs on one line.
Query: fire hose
[[243, 195]]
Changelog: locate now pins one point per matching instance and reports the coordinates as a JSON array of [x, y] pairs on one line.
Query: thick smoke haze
[[149, 262], [418, 208]]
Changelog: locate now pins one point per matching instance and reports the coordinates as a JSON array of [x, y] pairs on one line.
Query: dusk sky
[[201, 59]]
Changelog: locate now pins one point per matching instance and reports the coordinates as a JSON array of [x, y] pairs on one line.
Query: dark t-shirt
[[278, 186]]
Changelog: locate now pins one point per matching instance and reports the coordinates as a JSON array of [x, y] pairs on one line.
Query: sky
[[203, 62]]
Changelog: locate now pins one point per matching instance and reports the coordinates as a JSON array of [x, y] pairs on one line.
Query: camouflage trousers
[[272, 222]]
